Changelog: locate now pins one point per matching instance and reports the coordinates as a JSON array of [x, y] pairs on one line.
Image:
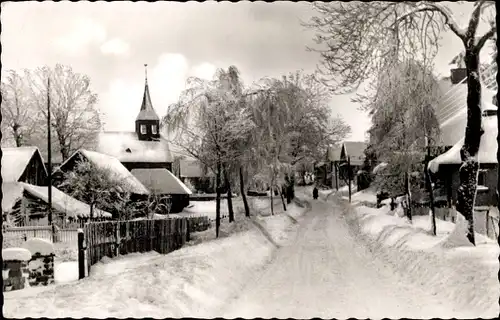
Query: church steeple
[[147, 122]]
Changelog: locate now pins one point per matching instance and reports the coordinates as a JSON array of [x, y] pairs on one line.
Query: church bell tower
[[147, 123]]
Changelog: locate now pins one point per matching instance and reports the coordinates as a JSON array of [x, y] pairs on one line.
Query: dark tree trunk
[[229, 197], [243, 195], [271, 192], [288, 189], [17, 136], [217, 200], [466, 193], [497, 6], [282, 199], [408, 196], [428, 183]]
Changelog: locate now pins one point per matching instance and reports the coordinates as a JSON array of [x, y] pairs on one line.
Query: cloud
[[166, 80], [83, 33], [116, 46], [204, 70]]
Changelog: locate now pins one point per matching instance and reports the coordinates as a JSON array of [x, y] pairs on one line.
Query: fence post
[[81, 255], [117, 238]]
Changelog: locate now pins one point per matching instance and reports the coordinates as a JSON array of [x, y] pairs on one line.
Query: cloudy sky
[[111, 42]]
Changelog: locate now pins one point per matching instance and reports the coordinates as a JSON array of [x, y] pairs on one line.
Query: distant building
[[190, 172], [335, 171]]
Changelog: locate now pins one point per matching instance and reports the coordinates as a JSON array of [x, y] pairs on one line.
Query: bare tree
[[74, 116], [355, 38], [19, 116]]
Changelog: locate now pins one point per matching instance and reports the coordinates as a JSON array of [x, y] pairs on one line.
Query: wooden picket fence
[[113, 238]]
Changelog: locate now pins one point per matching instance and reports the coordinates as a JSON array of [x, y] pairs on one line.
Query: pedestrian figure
[[315, 193]]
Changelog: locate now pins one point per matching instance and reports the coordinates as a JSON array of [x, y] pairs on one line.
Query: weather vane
[[146, 71]]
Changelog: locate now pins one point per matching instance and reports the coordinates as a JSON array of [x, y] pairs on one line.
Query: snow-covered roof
[[16, 254], [63, 202], [379, 167], [161, 181], [11, 193], [15, 160], [333, 153], [126, 147], [103, 161], [451, 107], [487, 148], [356, 151], [192, 169]]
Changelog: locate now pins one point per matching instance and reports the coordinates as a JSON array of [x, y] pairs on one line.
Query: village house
[[191, 173], [24, 164], [334, 170], [451, 112], [118, 172], [25, 191]]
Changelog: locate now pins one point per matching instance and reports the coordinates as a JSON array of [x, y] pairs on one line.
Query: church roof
[[147, 111], [160, 181], [126, 147]]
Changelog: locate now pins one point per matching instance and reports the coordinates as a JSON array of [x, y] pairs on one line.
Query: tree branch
[[482, 40], [444, 11]]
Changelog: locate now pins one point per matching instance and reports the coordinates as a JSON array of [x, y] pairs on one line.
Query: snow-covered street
[[325, 273]]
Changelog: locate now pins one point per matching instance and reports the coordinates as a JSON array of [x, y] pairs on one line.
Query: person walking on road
[[315, 193]]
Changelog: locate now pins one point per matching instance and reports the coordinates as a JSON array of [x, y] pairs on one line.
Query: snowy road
[[325, 273]]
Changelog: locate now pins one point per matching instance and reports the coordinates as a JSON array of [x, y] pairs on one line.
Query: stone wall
[[15, 270], [41, 264]]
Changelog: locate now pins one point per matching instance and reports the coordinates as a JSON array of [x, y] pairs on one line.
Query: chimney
[[458, 74]]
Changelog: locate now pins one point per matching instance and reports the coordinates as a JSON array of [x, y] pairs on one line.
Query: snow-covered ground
[[195, 281], [445, 264], [325, 272]]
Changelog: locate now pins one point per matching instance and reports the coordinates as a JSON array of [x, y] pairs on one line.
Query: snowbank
[[19, 254], [195, 281], [463, 274], [42, 246]]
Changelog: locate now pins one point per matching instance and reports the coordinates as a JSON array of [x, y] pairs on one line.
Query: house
[[327, 171], [190, 172], [140, 149], [25, 191], [446, 166], [162, 182], [119, 173], [23, 164], [33, 206], [451, 113], [354, 151]]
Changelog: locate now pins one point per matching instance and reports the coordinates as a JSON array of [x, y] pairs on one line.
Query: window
[[481, 177], [143, 129], [153, 129]]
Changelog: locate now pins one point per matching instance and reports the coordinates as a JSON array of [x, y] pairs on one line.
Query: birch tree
[[208, 122], [354, 38]]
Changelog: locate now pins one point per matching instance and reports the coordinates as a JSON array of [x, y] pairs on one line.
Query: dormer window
[[143, 129], [154, 130]]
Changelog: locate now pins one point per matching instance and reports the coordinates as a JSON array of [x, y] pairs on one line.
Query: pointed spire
[[147, 111]]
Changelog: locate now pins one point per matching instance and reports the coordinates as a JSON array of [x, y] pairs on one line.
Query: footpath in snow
[[195, 281], [326, 272]]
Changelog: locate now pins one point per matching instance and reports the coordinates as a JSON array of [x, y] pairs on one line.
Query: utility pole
[[49, 154], [349, 175]]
